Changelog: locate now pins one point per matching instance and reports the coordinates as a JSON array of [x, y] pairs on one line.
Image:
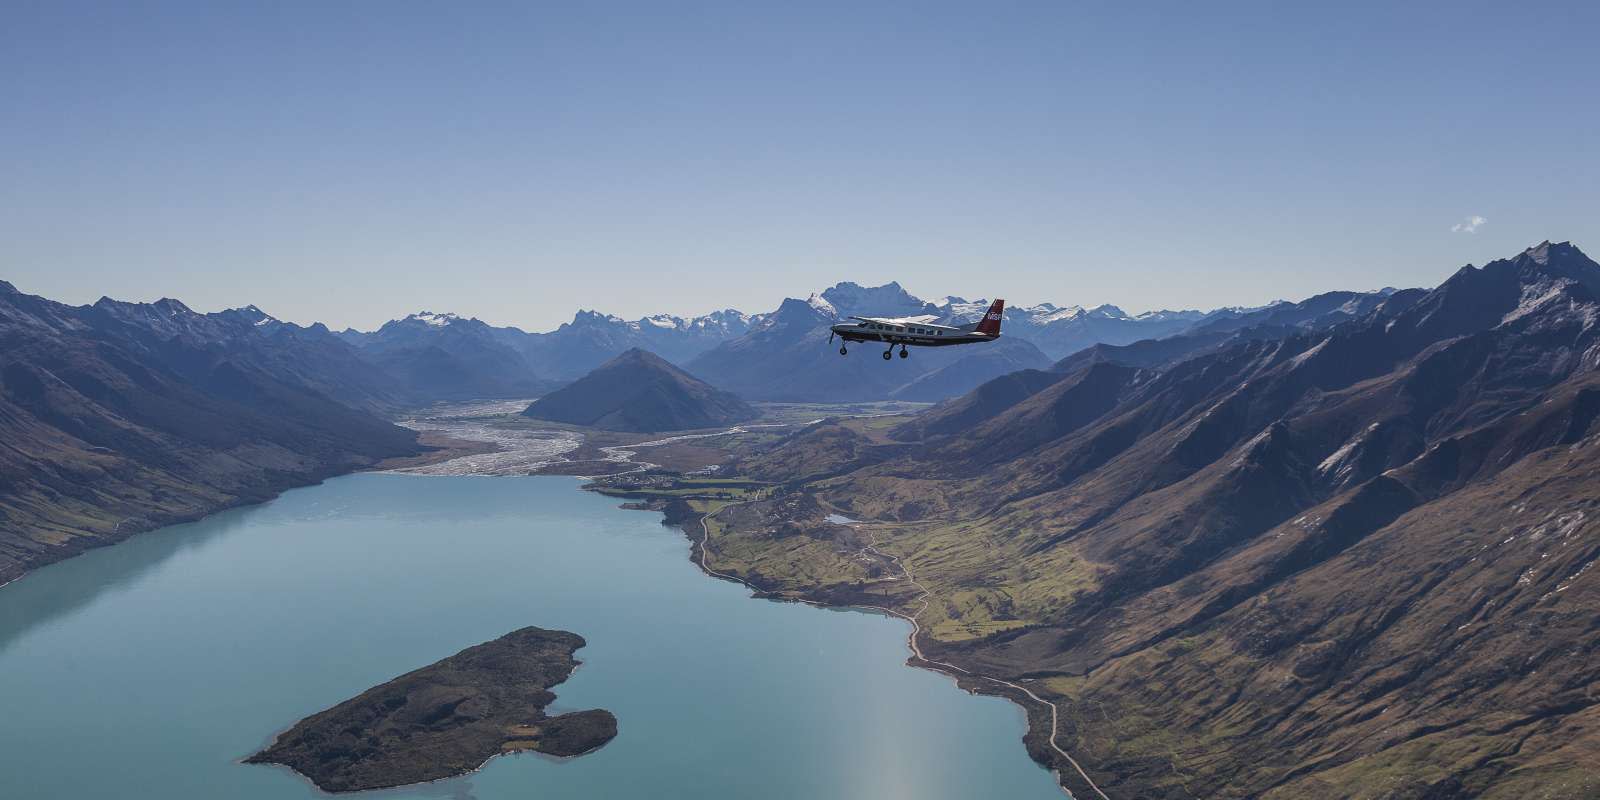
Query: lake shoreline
[[1038, 737], [1040, 730], [447, 449]]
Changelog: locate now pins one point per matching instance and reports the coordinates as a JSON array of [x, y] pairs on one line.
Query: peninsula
[[446, 719]]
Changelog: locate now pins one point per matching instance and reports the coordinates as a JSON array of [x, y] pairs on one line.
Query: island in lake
[[446, 719]]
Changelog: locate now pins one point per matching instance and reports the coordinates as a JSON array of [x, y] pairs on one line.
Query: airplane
[[915, 332]]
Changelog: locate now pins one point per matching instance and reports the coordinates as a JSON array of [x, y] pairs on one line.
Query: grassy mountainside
[[1349, 558], [112, 425], [639, 391]]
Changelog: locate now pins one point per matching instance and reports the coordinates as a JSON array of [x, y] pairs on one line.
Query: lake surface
[[148, 669]]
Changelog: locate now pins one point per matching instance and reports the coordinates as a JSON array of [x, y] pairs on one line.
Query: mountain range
[[428, 357], [1342, 543], [777, 355]]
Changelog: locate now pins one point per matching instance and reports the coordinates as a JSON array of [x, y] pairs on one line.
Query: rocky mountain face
[[120, 417], [1318, 313], [639, 391], [889, 300], [1313, 557]]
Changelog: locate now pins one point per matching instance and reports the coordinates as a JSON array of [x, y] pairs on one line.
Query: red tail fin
[[990, 324]]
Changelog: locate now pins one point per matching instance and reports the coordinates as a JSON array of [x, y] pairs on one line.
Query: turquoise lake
[[148, 669]]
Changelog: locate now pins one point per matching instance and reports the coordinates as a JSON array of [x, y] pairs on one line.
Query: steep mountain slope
[[639, 391], [972, 367], [1295, 562], [313, 356], [1314, 314], [117, 418]]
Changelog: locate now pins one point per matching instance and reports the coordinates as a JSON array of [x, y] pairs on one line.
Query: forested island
[[447, 718]]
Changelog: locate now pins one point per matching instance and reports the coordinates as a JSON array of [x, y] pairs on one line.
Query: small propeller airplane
[[915, 332]]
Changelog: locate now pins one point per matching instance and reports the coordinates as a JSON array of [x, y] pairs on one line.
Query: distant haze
[[349, 163]]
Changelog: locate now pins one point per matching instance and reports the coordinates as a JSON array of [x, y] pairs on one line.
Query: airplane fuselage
[[916, 332]]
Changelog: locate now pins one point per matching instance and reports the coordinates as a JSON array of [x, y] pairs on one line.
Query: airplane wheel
[[886, 354], [842, 350], [903, 353]]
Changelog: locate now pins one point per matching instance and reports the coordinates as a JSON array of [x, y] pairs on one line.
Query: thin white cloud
[[1470, 225]]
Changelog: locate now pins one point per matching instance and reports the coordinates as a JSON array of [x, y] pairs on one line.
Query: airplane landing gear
[[843, 350], [888, 353], [903, 352]]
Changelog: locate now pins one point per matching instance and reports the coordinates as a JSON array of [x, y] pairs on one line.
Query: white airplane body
[[917, 331]]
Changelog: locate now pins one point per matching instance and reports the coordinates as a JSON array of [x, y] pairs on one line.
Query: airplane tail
[[990, 324]]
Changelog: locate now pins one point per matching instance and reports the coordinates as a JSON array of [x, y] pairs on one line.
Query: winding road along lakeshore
[[911, 639]]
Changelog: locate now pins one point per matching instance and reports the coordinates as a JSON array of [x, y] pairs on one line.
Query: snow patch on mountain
[[817, 302]]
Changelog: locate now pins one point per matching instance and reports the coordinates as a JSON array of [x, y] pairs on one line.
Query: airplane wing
[[925, 319]]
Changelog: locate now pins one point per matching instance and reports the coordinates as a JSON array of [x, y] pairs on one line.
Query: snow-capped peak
[[433, 320], [1108, 311], [1046, 313], [816, 302], [1167, 314], [256, 315]]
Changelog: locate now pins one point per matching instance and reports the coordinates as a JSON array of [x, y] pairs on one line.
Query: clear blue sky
[[351, 162]]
